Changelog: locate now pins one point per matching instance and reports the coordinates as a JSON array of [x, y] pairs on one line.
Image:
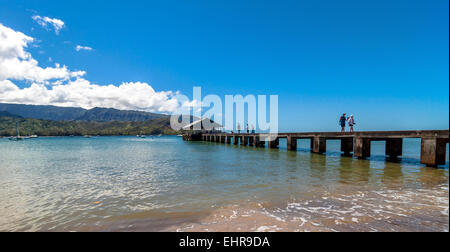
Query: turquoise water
[[129, 183]]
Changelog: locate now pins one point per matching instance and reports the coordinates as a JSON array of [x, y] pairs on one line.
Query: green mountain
[[7, 114], [78, 114], [29, 126]]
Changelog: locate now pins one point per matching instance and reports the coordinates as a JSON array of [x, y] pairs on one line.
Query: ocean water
[[166, 184]]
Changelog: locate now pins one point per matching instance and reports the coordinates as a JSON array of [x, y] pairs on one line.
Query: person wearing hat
[[342, 121], [351, 123]]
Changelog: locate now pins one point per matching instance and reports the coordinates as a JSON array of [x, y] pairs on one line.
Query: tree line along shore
[[29, 126]]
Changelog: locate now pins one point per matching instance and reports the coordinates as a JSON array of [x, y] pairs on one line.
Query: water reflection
[[318, 166], [392, 173], [430, 176], [353, 170]]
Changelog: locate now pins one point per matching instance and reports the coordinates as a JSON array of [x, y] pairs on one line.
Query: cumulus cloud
[[85, 48], [82, 93], [17, 64], [59, 86], [47, 23]]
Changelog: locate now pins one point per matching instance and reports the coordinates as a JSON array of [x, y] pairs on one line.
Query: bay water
[[167, 184]]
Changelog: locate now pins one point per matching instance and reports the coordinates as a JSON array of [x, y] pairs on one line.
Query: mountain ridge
[[55, 113]]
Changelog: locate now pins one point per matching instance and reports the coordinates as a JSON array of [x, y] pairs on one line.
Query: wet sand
[[406, 210]]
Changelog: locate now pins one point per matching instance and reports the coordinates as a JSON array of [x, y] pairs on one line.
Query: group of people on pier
[[252, 130], [343, 122]]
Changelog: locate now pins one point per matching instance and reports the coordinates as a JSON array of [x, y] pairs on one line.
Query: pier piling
[[273, 143], [251, 141], [362, 147], [236, 140], [320, 145], [291, 143], [259, 142], [394, 147], [432, 153], [245, 142], [347, 145]]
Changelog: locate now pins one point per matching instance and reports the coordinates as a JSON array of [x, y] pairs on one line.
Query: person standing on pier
[[248, 129], [342, 121], [351, 123], [239, 128]]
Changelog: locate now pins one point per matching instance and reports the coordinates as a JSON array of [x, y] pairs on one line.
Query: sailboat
[[17, 137], [141, 136]]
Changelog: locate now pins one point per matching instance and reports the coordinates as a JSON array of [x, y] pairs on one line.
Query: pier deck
[[433, 145]]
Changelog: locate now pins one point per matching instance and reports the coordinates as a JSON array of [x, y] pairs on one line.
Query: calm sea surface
[[166, 184]]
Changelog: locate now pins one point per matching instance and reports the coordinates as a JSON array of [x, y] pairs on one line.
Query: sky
[[386, 62]]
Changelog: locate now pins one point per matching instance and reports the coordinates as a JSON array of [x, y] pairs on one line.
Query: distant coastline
[[63, 121], [93, 136], [28, 127]]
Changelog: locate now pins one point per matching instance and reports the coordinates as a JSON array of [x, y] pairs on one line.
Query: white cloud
[[13, 44], [17, 64], [85, 48], [82, 93], [61, 87], [45, 22]]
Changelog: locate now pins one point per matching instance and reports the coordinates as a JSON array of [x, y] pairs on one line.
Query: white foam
[[267, 229]]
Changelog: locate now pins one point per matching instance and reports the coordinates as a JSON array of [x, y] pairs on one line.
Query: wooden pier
[[433, 146]]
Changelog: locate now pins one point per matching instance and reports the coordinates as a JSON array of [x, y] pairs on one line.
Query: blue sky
[[386, 62]]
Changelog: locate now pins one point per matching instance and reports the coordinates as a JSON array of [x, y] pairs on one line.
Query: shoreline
[[392, 210]]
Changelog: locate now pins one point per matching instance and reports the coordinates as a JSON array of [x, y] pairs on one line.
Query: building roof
[[204, 124]]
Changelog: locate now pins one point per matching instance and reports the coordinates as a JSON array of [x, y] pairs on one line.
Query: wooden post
[[291, 143], [251, 140], [433, 151], [259, 142], [245, 142], [274, 143], [229, 139], [320, 145], [236, 140], [347, 145], [362, 147], [394, 147]]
